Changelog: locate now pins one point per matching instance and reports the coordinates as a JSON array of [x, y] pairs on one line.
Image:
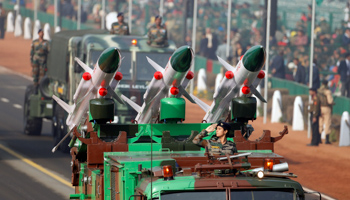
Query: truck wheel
[[32, 125]]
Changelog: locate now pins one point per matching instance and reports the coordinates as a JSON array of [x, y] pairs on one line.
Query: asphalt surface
[[29, 170]]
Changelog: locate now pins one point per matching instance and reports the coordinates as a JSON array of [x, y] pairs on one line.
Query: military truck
[[157, 159], [63, 76], [160, 161]]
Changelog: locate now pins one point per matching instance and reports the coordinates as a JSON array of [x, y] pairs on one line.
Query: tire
[[59, 129], [44, 88], [32, 125]]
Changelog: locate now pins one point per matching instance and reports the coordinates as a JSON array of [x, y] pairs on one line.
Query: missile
[[169, 81], [94, 83], [245, 78]]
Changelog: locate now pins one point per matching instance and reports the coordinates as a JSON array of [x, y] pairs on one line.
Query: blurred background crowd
[[290, 30]]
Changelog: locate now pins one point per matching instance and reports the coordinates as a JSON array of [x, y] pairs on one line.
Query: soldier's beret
[[40, 30], [120, 14], [158, 16], [224, 125]]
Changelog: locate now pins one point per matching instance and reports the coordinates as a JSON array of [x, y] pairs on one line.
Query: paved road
[[28, 168]]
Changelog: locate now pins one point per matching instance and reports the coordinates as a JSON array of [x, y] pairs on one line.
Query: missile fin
[[132, 104], [83, 65], [155, 65], [64, 105], [115, 95], [225, 64], [256, 93], [184, 93], [60, 142], [201, 104]]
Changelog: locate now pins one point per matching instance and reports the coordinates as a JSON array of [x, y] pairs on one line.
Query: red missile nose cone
[[245, 90], [229, 74], [174, 90], [118, 76], [158, 75], [86, 76], [103, 92], [261, 74], [190, 75]]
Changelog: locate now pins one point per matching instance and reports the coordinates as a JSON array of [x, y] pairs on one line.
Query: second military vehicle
[[63, 76]]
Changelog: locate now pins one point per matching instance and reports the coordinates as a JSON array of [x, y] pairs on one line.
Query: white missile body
[[95, 83], [166, 82], [243, 77]]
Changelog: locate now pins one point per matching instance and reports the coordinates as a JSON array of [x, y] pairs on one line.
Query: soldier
[[218, 145], [38, 57], [157, 34], [120, 27], [315, 110], [326, 109]]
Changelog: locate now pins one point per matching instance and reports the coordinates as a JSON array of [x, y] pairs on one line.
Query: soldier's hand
[[211, 128]]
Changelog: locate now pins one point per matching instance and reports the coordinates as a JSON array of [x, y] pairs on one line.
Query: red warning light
[[86, 76], [118, 76], [158, 75], [245, 90], [190, 75], [229, 74], [168, 172], [261, 74], [134, 42], [103, 92], [174, 90], [268, 164]]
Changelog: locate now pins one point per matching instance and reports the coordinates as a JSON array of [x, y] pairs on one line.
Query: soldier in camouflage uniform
[[315, 110], [218, 145], [157, 34], [38, 57], [120, 27]]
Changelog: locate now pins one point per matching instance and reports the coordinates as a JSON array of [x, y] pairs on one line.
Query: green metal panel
[[200, 62], [179, 183], [172, 108], [40, 108], [128, 170], [341, 104], [216, 67], [293, 87]]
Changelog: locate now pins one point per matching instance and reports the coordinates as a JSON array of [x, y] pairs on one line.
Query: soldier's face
[[220, 132], [121, 18], [158, 21]]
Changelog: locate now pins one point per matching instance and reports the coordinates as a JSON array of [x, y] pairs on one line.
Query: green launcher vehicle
[[64, 74], [159, 160]]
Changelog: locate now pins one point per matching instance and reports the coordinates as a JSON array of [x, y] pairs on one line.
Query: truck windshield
[[196, 195], [235, 195], [144, 70], [262, 194]]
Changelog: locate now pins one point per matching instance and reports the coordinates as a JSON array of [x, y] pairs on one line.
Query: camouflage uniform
[[157, 37], [315, 110], [120, 29], [214, 144], [38, 57]]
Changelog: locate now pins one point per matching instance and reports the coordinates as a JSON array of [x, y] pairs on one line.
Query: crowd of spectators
[[289, 48]]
